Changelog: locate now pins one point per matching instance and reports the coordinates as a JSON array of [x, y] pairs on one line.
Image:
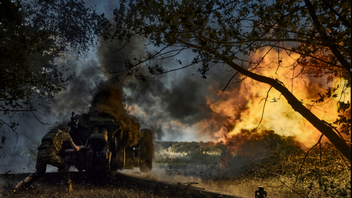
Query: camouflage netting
[[108, 100]]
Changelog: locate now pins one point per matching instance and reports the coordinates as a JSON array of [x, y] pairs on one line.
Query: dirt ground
[[51, 186], [82, 190], [98, 186], [124, 189]]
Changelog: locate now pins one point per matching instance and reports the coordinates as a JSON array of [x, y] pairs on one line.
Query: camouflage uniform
[[48, 153]]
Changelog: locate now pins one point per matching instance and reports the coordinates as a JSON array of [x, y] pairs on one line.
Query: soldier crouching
[[49, 153]]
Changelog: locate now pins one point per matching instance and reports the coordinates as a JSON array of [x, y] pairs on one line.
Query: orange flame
[[278, 116]]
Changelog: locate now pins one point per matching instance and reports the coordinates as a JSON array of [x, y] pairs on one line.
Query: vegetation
[[321, 173], [191, 152], [36, 39]]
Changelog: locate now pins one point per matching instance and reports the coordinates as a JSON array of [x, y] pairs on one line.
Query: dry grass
[[324, 173], [281, 166]]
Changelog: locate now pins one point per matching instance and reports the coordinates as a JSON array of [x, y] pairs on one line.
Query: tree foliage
[[33, 35], [73, 26], [228, 32]]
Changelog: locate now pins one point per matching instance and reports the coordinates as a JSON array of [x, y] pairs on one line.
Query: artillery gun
[[106, 145]]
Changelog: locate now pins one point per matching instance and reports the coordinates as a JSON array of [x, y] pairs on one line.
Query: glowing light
[[278, 114]]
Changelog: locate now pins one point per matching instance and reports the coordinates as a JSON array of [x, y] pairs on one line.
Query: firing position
[[49, 153]]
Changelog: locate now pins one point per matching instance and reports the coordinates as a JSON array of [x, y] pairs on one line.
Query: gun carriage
[[107, 148]]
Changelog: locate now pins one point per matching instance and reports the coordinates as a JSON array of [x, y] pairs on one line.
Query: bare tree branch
[[299, 171], [228, 82], [13, 130], [285, 184], [43, 123], [266, 99]]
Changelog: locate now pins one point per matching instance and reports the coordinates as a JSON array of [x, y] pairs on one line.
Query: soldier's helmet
[[63, 128]]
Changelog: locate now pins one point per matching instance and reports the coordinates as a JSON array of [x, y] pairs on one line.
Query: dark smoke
[[181, 101], [78, 95], [180, 96]]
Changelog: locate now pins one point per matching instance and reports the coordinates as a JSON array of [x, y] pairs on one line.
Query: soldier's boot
[[20, 186], [69, 188], [68, 182], [24, 184], [63, 169]]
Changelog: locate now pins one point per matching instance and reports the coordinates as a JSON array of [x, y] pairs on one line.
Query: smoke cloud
[[78, 95], [170, 105]]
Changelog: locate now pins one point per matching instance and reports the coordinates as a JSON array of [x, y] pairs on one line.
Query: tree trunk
[[326, 38]]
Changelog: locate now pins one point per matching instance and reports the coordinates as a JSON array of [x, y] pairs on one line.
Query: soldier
[[49, 153]]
